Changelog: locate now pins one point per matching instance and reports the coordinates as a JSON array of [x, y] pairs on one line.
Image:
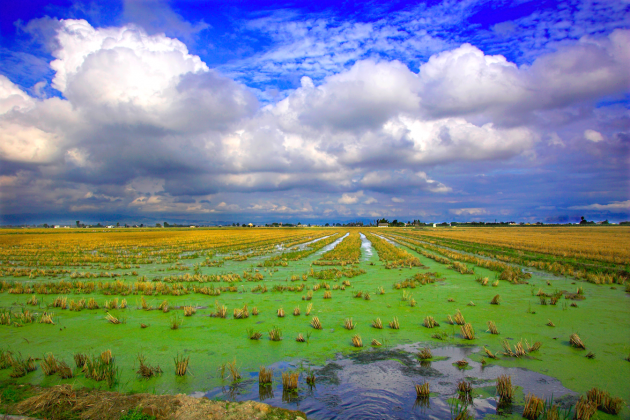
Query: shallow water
[[302, 246], [329, 247], [366, 248], [380, 383]]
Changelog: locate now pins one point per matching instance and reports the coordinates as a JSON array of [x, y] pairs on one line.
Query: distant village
[[381, 223]]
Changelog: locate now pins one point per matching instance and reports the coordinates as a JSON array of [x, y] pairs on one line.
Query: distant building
[[383, 225], [250, 224], [192, 226]]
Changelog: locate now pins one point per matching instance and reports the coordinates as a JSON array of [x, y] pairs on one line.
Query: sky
[[236, 111]]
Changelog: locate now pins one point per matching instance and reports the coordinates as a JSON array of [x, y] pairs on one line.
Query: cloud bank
[[141, 124]]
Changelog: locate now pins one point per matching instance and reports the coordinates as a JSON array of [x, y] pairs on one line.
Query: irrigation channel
[[379, 383]]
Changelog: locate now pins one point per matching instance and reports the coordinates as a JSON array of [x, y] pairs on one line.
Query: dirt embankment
[[63, 402]]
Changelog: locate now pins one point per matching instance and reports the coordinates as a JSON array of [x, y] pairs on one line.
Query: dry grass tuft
[[145, 370], [550, 324], [309, 308], [534, 407], [290, 380], [296, 311], [505, 391], [80, 359], [33, 301], [112, 319], [376, 343], [394, 324], [300, 338], [191, 310], [423, 391], [265, 375], [175, 322], [467, 331], [461, 363], [534, 347], [356, 341], [425, 354], [241, 313], [495, 300], [575, 341], [91, 304], [584, 409], [489, 353], [255, 311], [280, 313], [275, 334], [220, 311], [492, 328], [49, 365], [366, 296], [430, 322], [459, 318], [253, 334], [47, 318], [377, 324], [327, 295], [464, 387], [181, 365], [495, 283], [451, 300], [315, 323], [348, 324]]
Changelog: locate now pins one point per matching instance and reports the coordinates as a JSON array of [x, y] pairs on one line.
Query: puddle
[[366, 247], [380, 383]]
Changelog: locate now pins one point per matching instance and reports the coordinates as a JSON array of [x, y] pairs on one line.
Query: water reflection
[[380, 383]]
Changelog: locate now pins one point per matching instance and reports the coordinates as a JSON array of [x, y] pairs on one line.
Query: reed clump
[[181, 365], [425, 354], [505, 391], [275, 334], [534, 407], [241, 313], [377, 324], [489, 353], [47, 318], [255, 311], [376, 343], [422, 391], [309, 308], [430, 322], [315, 323], [253, 334], [467, 331], [394, 324], [191, 310], [175, 322], [495, 300], [492, 328], [584, 409], [296, 311], [459, 318], [356, 341], [290, 380], [464, 387], [265, 375], [145, 370], [348, 324], [574, 341], [280, 313], [550, 324], [49, 364], [327, 295], [80, 359], [112, 319]]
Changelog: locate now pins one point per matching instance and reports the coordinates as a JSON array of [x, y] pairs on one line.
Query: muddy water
[[366, 248], [380, 383]]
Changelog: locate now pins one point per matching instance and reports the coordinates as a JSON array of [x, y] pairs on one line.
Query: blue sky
[[206, 111]]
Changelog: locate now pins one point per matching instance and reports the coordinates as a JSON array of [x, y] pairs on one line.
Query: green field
[[599, 314]]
